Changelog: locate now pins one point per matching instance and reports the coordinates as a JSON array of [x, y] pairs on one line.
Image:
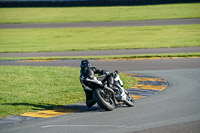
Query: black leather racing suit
[[89, 72]]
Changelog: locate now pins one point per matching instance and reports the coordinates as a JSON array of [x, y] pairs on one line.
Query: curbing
[[146, 86]]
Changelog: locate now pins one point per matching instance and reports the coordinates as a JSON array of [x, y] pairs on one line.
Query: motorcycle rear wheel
[[104, 99]]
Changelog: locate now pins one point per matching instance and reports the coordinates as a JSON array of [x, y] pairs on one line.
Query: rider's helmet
[[85, 63]]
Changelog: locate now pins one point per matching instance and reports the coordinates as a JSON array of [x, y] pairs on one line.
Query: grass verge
[[86, 14], [27, 89], [166, 55], [36, 40]]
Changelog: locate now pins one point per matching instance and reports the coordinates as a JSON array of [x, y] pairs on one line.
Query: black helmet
[[85, 63]]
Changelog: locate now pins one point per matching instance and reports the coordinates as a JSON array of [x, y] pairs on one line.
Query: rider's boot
[[90, 103]]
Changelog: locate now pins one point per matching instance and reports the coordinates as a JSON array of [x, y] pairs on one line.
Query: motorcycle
[[108, 98]]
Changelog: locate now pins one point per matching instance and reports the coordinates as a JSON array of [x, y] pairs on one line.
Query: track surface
[[123, 65], [175, 109], [169, 110], [104, 24], [104, 52]]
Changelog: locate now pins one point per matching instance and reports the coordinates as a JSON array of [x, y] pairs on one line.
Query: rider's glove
[[107, 73]]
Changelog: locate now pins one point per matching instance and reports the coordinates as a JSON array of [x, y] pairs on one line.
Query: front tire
[[104, 99], [129, 100]]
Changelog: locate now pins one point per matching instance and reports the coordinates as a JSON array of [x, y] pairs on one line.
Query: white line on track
[[116, 126], [190, 118]]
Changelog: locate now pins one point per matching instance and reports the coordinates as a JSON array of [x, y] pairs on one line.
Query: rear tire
[[104, 99]]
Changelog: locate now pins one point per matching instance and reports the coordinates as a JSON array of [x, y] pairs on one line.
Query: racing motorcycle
[[108, 98]]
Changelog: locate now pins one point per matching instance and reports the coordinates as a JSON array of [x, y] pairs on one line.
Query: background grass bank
[[91, 14], [36, 40], [25, 89]]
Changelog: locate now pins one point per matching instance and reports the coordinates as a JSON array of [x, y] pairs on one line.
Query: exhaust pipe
[[113, 93]]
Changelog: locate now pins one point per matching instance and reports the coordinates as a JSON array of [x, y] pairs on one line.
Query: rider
[[88, 72]]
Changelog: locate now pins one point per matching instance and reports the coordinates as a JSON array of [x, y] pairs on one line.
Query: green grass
[[85, 14], [68, 39], [24, 89]]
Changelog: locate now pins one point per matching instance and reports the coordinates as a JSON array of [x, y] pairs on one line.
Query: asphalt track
[[104, 52], [104, 24], [121, 65], [176, 109]]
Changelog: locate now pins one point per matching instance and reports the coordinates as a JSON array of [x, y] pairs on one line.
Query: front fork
[[121, 95]]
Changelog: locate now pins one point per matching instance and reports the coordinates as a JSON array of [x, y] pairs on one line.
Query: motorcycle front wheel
[[104, 98], [129, 100]]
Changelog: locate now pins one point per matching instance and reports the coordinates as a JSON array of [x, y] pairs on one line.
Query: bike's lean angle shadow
[[146, 86]]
